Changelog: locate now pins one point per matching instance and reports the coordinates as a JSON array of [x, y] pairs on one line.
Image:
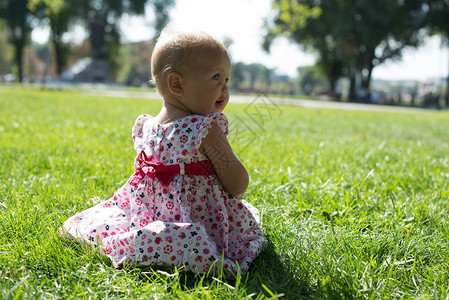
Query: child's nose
[[225, 93]]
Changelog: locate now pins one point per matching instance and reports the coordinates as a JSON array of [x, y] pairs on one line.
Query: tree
[[61, 14], [350, 36], [237, 75], [102, 16], [374, 38], [135, 64], [310, 79], [18, 20], [252, 76], [161, 8], [5, 50], [437, 21]]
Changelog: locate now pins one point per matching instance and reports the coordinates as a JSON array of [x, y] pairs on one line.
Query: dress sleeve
[[217, 118], [137, 133]]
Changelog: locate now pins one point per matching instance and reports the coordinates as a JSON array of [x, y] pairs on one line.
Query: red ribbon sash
[[166, 173]]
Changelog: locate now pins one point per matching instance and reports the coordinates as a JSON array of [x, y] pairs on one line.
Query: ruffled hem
[[186, 246]]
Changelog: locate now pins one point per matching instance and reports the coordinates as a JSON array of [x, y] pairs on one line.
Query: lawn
[[354, 204]]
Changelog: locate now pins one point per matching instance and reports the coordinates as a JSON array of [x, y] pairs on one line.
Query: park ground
[[353, 202]]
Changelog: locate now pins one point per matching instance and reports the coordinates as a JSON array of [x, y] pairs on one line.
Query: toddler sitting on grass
[[182, 206]]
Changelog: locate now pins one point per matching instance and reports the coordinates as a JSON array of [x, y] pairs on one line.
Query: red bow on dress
[[166, 173]]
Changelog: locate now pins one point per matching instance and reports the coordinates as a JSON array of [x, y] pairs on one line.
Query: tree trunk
[[366, 80], [332, 85], [56, 38], [447, 92], [447, 89], [18, 41], [333, 73], [58, 56], [352, 96], [18, 57], [365, 69]]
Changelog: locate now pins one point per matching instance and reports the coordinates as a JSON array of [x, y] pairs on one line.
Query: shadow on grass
[[271, 271], [268, 275]]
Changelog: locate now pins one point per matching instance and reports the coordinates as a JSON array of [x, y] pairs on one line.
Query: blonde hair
[[173, 47]]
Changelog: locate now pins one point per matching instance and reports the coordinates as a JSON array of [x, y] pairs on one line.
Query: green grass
[[354, 204]]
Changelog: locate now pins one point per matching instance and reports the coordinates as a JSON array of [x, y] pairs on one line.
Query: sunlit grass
[[354, 203]]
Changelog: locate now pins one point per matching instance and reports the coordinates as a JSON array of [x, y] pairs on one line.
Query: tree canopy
[[350, 36], [100, 17], [437, 21]]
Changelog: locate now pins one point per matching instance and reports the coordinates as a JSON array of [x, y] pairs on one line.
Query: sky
[[243, 20]]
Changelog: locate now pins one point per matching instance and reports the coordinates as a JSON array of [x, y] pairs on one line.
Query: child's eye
[[216, 77]]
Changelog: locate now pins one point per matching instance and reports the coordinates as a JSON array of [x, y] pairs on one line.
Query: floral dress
[[190, 223]]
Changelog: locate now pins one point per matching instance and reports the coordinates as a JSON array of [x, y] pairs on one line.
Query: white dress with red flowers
[[191, 222]]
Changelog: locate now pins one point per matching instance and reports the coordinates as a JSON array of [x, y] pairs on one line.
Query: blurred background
[[378, 51]]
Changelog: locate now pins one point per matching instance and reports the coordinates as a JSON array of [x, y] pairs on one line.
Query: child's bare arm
[[231, 172]]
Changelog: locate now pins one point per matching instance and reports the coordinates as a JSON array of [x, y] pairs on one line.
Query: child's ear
[[174, 83]]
